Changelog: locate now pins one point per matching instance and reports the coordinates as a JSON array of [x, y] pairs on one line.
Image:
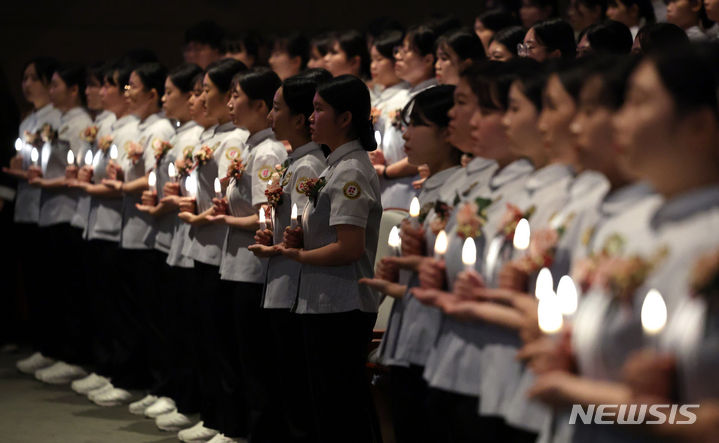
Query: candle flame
[[70, 158], [34, 155], [171, 171], [440, 245], [654, 312], [549, 315], [293, 215], [394, 240], [469, 252], [521, 235], [152, 179], [88, 158], [262, 216], [544, 285], [113, 152], [218, 186], [18, 144], [378, 137], [567, 293], [191, 186], [414, 207]]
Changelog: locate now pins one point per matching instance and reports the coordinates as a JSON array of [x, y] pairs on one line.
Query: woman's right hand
[[219, 206], [412, 238], [431, 273], [264, 237], [149, 198], [293, 238], [33, 172], [187, 204], [170, 189], [387, 270]]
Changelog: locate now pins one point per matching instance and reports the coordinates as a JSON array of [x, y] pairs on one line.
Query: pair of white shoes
[[100, 391], [163, 410], [48, 370], [200, 434], [34, 363]]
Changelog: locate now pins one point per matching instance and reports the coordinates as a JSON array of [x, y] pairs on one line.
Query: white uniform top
[[440, 187], [137, 224], [350, 197], [283, 274], [163, 226], [59, 205], [105, 219], [386, 99], [27, 200], [227, 142], [103, 121], [398, 193], [261, 154]]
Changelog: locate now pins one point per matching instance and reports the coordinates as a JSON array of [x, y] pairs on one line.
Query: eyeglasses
[[524, 49], [398, 51]]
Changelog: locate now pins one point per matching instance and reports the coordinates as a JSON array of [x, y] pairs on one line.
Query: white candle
[[88, 158], [218, 188], [567, 294], [378, 138], [293, 216], [191, 186], [414, 211], [70, 158], [152, 181], [549, 315], [172, 172], [113, 152], [654, 313], [34, 156], [394, 241], [263, 223], [521, 235], [469, 254], [440, 245], [18, 144], [544, 285]]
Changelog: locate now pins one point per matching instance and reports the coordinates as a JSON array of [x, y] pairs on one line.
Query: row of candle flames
[[554, 308]]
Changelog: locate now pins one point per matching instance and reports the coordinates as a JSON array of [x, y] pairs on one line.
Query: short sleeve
[[263, 166], [351, 197]]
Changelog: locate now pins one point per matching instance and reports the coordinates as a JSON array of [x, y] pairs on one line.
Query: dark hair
[[183, 76], [482, 79], [422, 39], [441, 23], [532, 77], [592, 4], [44, 66], [206, 32], [250, 42], [688, 78], [430, 106], [571, 73], [609, 37], [121, 68], [222, 71], [96, 72], [660, 37], [556, 34], [73, 74], [295, 45], [645, 7], [258, 84], [299, 90], [354, 45], [613, 71], [347, 93], [386, 43], [465, 44], [552, 4], [153, 76], [510, 38], [497, 19], [322, 42]]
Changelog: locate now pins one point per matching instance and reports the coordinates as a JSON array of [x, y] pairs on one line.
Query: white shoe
[[196, 434], [172, 421], [138, 407], [60, 373], [90, 383], [32, 364], [113, 397], [221, 438], [163, 405], [95, 392]]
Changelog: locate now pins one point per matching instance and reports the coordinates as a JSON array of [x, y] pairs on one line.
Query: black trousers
[[408, 402], [19, 320], [291, 386], [336, 347], [223, 405], [455, 419]]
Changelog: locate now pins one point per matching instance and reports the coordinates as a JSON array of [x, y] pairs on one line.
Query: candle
[[549, 315], [88, 158], [152, 181], [394, 241], [544, 285], [378, 138], [218, 188], [414, 212], [113, 152], [263, 223], [469, 254], [567, 294], [34, 156], [70, 158], [654, 313], [293, 216], [172, 172], [18, 144], [522, 235], [191, 186], [440, 245]]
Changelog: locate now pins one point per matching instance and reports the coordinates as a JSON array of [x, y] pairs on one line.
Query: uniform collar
[[103, 116], [587, 182], [303, 150], [343, 150], [624, 197], [423, 85], [149, 121], [687, 205], [48, 108], [124, 120], [439, 178], [72, 113], [548, 175], [511, 172], [208, 133], [258, 137], [225, 127], [478, 164], [186, 126]]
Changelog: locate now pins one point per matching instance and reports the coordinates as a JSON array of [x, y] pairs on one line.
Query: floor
[[31, 411]]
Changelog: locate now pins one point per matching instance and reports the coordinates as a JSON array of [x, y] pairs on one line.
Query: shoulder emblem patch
[[265, 172], [352, 190], [232, 153], [301, 186]]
